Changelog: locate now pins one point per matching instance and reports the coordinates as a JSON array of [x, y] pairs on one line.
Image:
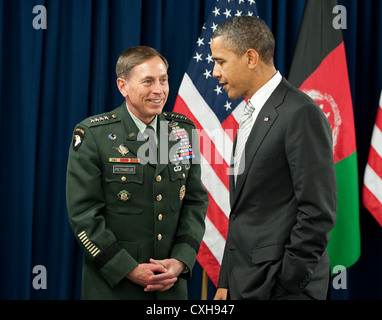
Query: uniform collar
[[140, 124]]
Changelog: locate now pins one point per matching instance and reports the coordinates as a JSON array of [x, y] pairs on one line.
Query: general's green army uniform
[[124, 211]]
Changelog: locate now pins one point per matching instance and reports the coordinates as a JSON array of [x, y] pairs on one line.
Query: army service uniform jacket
[[124, 212]]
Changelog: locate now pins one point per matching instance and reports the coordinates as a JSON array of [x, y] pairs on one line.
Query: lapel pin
[[266, 119]]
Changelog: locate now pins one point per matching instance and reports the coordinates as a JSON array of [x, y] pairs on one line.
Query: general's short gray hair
[[245, 32], [133, 57]]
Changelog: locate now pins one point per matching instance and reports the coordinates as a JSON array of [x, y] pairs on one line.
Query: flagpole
[[204, 285]]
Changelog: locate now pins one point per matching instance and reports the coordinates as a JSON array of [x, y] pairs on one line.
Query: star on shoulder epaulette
[[105, 118], [177, 117]]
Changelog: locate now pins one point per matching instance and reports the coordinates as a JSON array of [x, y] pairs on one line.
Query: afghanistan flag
[[319, 68]]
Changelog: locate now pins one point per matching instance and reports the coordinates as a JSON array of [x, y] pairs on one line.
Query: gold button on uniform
[[160, 217], [158, 178], [159, 237], [159, 197], [123, 178]]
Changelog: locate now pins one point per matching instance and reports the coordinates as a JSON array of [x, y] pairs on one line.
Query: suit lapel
[[265, 120]]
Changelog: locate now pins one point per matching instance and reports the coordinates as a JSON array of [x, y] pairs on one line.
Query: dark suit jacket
[[284, 204]]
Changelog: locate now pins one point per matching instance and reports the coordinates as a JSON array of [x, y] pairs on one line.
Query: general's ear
[[122, 87]]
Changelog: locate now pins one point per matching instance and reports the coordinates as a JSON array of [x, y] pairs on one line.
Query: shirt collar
[[140, 124], [262, 95]]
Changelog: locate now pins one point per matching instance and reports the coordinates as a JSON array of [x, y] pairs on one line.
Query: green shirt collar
[[140, 124]]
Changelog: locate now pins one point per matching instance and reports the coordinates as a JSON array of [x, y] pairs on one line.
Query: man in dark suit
[[283, 189]]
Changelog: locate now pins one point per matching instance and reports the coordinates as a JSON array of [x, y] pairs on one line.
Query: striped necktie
[[243, 133]]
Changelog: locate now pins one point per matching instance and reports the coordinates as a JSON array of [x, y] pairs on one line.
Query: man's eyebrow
[[217, 59], [164, 75]]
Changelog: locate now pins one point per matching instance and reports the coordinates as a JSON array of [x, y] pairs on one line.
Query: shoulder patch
[[177, 117], [78, 138]]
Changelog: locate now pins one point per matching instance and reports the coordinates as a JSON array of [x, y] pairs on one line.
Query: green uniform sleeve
[[85, 203]]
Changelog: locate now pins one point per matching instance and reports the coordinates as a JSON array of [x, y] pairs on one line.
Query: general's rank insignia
[[124, 196], [78, 138], [182, 192], [184, 151]]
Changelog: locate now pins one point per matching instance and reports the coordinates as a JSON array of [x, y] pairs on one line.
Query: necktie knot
[[249, 108], [149, 132]]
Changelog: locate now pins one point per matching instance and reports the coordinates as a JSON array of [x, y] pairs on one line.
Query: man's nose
[[216, 72], [158, 87]]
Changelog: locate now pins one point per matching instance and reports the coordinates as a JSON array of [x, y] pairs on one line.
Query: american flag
[[372, 188], [203, 100]]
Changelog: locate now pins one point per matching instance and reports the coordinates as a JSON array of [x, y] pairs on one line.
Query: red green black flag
[[319, 68]]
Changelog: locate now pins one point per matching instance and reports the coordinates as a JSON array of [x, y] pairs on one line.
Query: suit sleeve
[[85, 203], [309, 152], [191, 225]]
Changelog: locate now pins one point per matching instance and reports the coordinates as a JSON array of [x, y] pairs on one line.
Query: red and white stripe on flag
[[204, 101], [372, 188]]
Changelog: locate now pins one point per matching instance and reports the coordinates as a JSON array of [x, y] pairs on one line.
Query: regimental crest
[[124, 196]]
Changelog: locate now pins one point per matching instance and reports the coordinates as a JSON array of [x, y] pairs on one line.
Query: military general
[[135, 199]]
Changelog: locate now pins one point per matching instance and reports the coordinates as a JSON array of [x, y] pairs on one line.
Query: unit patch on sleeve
[[78, 138]]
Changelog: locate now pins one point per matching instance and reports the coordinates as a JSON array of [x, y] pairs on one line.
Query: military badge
[[182, 192], [124, 160], [124, 196], [112, 136], [122, 150], [78, 138], [184, 151]]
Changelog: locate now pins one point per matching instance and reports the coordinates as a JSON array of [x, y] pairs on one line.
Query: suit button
[[159, 237], [159, 197], [160, 217], [232, 217], [158, 178]]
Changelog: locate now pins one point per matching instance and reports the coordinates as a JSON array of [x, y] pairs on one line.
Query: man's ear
[[122, 87], [252, 58]]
